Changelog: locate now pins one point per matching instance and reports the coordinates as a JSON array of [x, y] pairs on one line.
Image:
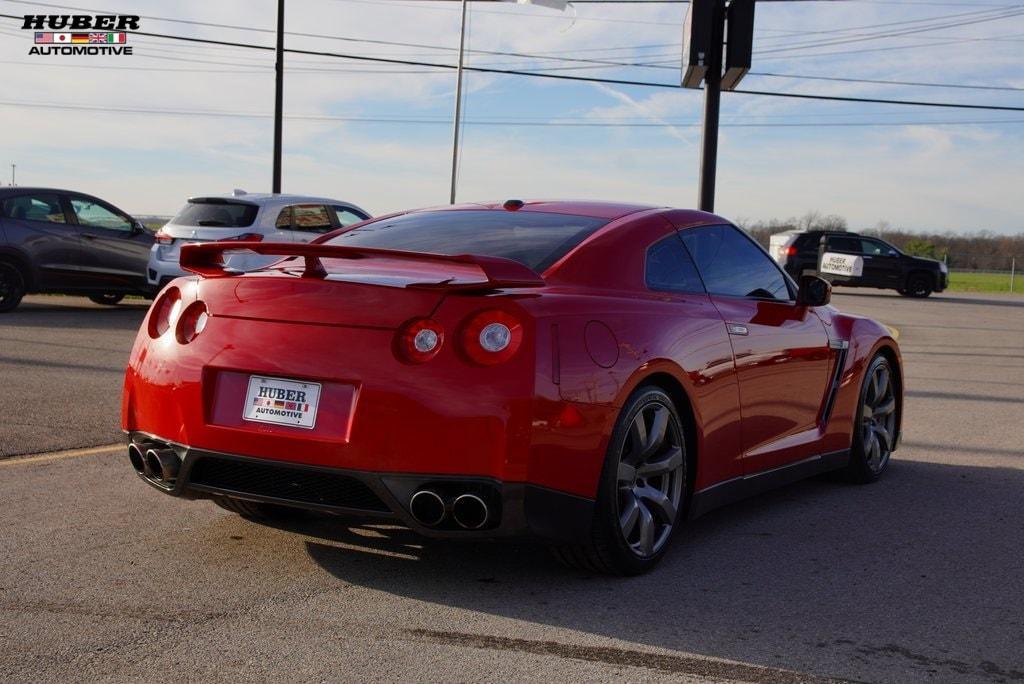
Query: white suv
[[245, 217]]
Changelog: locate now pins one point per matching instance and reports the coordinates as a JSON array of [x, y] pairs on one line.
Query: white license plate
[[282, 402]]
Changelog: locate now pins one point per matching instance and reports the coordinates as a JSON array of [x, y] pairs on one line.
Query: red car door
[[781, 350]]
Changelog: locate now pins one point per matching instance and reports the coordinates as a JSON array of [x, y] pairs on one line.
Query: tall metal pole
[[278, 96], [458, 103], [13, 167], [712, 98]]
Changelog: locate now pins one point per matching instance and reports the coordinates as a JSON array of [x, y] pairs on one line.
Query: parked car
[[590, 374], [863, 262], [241, 216], [68, 242]]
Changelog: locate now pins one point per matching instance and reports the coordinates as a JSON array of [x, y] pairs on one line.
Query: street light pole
[[458, 103], [278, 97], [13, 167]]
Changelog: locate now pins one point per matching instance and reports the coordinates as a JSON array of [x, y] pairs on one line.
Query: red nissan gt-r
[[586, 373]]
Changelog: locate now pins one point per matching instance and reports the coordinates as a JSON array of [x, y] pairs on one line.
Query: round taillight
[[192, 322], [164, 312], [492, 337], [420, 340]]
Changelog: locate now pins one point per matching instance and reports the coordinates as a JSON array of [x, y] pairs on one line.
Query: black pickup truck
[[880, 264]]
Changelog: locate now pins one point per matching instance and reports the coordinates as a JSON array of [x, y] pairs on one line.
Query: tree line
[[975, 251]]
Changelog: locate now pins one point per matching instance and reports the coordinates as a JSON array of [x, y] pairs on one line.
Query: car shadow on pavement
[[919, 573]]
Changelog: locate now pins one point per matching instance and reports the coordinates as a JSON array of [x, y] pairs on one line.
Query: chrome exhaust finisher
[[427, 507], [162, 464], [470, 511], [137, 458]]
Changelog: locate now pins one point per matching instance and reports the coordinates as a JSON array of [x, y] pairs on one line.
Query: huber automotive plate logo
[[80, 34]]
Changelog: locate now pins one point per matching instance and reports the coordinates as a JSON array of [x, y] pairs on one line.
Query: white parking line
[[61, 455]]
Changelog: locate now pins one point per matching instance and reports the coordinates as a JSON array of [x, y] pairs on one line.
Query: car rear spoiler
[[207, 259]]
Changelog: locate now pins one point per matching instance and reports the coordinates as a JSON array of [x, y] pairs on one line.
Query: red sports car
[[586, 373]]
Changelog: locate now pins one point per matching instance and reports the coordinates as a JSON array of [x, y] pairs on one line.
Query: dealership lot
[[915, 578]]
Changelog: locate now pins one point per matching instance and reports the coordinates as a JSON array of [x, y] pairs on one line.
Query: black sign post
[[704, 34], [278, 97]]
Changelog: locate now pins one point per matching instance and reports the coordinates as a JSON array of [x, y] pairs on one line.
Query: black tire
[[643, 488], [12, 286], [919, 286], [874, 427], [106, 299], [260, 512]]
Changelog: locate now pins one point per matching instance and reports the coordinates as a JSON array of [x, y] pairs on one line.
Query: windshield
[[534, 239], [216, 213]]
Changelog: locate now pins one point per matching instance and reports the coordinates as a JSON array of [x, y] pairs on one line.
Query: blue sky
[[937, 174]]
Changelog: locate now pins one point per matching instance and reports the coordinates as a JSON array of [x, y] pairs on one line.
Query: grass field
[[965, 281]]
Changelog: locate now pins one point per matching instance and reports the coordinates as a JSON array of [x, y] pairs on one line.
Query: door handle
[[737, 329]]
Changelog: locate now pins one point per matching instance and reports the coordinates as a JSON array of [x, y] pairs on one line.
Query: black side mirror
[[137, 227], [813, 291]]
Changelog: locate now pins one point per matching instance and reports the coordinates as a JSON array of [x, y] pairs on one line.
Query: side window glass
[[731, 264], [42, 207], [844, 244], [94, 215], [311, 218], [874, 248], [346, 217], [669, 267], [284, 219]]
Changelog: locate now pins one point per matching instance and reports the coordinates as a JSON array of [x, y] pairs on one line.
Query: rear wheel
[[918, 285], [12, 286], [874, 433], [106, 299], [642, 490], [259, 511]]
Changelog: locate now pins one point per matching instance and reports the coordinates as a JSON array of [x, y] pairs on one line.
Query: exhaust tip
[[427, 507], [470, 511], [162, 465], [137, 459]]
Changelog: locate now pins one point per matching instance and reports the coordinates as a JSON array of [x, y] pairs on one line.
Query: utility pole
[[13, 167], [278, 97], [458, 103]]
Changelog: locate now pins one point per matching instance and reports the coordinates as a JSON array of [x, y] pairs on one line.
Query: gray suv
[[64, 242]]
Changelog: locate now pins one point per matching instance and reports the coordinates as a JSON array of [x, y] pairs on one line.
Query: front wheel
[[642, 490], [918, 286], [12, 287], [106, 299], [874, 431]]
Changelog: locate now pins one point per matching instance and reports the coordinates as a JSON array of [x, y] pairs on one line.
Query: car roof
[[267, 198], [21, 189]]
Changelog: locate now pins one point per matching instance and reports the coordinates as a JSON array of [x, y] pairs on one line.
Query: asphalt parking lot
[[916, 578]]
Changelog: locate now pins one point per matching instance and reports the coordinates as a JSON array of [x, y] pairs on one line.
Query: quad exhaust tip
[[470, 511], [160, 464], [137, 458], [427, 507]]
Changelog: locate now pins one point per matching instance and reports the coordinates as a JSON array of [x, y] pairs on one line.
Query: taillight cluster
[[162, 238], [167, 314], [487, 338]]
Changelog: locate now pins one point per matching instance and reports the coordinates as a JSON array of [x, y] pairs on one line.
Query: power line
[[565, 77], [493, 122], [882, 82]]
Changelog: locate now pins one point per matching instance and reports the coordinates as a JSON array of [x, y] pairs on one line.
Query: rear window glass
[[532, 238], [216, 213]]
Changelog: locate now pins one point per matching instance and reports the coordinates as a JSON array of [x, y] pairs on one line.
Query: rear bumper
[[520, 509]]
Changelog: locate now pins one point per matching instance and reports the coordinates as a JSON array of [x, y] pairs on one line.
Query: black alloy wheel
[[918, 286], [874, 435], [12, 287], [642, 492]]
